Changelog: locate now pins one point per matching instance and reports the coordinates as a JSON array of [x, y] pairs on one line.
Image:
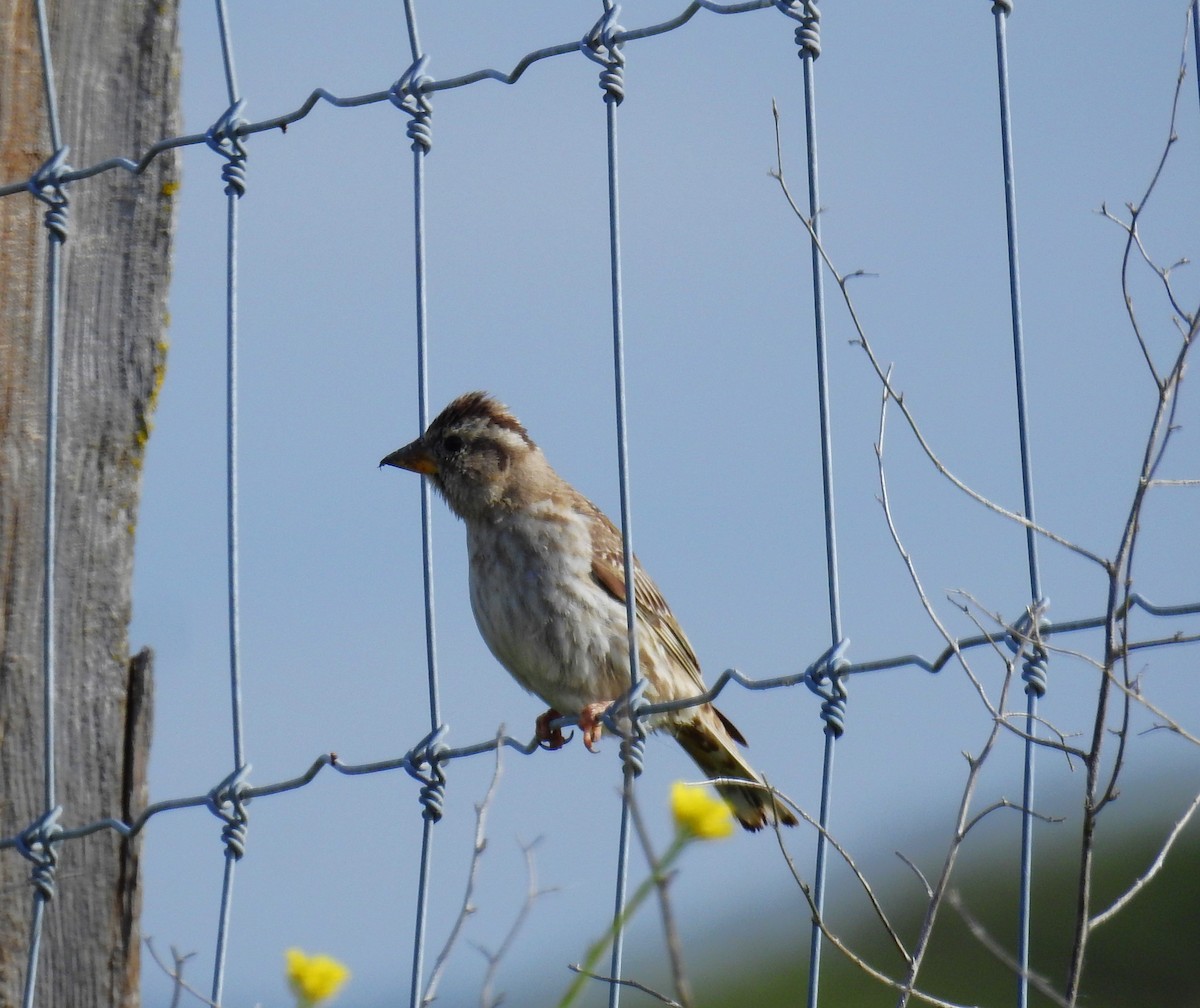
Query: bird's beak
[[414, 457]]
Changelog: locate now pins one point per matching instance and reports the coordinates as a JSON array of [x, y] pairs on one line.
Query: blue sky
[[725, 468]]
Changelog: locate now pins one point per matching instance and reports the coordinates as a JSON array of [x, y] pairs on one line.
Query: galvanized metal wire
[[427, 760], [420, 754], [39, 841], [226, 801], [410, 95], [832, 690], [602, 46], [1035, 671]]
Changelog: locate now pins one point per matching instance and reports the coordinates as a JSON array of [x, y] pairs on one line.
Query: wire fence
[[604, 43]]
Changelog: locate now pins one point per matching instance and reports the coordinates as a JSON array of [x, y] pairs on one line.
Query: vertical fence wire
[[50, 522], [1035, 670], [410, 96], [1195, 19], [40, 847], [602, 46], [808, 39], [1001, 11], [226, 139]]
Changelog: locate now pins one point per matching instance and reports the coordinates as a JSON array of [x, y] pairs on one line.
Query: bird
[[548, 590]]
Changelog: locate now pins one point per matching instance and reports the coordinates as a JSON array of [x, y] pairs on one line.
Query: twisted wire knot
[[601, 46], [224, 137], [1025, 635], [808, 34], [409, 95], [824, 677], [1036, 673], [633, 750], [424, 763], [233, 836], [56, 218], [233, 174], [37, 844], [625, 716], [46, 185], [226, 802], [433, 795], [833, 710]]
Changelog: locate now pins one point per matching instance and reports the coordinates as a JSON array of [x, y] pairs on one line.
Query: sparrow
[[549, 588]]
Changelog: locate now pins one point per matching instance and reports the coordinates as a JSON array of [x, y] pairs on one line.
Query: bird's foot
[[547, 737], [591, 725]]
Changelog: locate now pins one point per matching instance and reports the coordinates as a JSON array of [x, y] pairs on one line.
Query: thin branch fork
[[926, 448], [1099, 793]]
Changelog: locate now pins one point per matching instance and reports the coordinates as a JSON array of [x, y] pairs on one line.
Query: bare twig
[[1058, 745], [906, 989], [1167, 722], [782, 799], [916, 871], [1103, 762], [942, 884], [1004, 803], [468, 907], [683, 990], [1155, 867], [1101, 788], [1133, 238], [532, 894], [941, 467], [980, 933], [576, 968], [905, 556], [938, 890], [175, 972]]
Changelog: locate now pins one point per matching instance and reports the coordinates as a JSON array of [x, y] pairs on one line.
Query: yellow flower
[[698, 813], [314, 978]]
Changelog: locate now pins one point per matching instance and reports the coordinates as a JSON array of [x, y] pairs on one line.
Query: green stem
[[596, 950]]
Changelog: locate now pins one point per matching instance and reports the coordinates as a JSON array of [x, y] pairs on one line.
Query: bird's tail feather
[[708, 741]]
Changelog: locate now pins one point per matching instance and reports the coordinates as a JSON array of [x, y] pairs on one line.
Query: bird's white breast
[[540, 610]]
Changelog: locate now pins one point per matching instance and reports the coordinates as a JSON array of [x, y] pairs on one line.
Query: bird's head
[[477, 455]]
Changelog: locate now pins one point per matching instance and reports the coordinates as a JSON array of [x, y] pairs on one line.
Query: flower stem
[[598, 947]]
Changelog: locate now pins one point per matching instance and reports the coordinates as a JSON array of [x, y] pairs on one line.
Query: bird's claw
[[549, 738], [591, 725]]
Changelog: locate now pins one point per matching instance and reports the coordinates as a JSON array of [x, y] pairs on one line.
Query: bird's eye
[[452, 443]]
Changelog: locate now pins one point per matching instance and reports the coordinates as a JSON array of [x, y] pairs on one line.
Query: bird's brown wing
[[608, 569]]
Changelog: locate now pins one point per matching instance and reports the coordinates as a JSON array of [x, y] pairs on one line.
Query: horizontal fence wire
[[426, 760], [430, 748], [136, 164]]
